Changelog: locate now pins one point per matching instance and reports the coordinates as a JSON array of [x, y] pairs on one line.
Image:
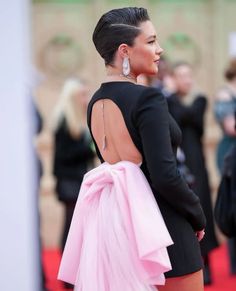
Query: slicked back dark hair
[[116, 27]]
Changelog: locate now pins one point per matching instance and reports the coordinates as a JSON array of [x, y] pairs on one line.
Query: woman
[[188, 109], [225, 108], [73, 153], [130, 122]]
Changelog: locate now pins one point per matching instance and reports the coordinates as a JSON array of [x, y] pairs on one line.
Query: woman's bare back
[[107, 119]]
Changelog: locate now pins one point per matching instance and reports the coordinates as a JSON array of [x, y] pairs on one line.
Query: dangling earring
[[126, 66]]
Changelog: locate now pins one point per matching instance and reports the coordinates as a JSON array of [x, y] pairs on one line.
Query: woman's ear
[[123, 50]]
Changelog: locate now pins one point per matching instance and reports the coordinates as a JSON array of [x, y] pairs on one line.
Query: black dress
[[72, 156], [156, 135], [190, 119]]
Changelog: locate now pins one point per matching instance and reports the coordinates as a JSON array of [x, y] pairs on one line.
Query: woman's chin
[[153, 72]]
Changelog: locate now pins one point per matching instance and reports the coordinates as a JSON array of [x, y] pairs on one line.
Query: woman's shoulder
[[125, 86], [147, 94], [126, 92]]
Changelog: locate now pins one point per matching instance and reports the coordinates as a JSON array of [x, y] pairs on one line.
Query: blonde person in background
[[74, 153]]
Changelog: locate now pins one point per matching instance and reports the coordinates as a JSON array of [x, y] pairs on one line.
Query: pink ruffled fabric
[[117, 239]]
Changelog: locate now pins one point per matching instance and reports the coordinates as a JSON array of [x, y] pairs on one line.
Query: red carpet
[[222, 281]]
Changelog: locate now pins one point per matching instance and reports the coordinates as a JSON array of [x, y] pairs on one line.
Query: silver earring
[[126, 66]]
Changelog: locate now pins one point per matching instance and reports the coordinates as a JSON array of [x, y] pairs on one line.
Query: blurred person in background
[[163, 80], [74, 153], [167, 90], [188, 109], [225, 107]]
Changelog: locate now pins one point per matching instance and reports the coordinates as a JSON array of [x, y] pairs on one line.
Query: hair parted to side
[[230, 72], [116, 27]]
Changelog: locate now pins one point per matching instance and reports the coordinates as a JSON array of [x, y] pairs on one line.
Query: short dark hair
[[230, 72], [116, 27]]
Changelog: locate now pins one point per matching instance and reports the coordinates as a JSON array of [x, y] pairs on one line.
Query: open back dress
[[156, 135]]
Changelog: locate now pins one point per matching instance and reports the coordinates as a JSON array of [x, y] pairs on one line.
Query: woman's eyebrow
[[151, 36]]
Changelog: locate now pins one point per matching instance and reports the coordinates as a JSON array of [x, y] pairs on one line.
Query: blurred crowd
[[74, 152], [188, 106]]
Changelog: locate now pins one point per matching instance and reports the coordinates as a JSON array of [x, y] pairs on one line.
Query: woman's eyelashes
[[153, 41]]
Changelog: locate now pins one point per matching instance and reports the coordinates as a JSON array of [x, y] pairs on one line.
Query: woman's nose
[[159, 50]]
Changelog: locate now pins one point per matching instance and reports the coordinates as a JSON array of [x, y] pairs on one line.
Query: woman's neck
[[114, 74]]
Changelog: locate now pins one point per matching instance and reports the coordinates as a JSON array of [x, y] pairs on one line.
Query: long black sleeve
[[152, 119]]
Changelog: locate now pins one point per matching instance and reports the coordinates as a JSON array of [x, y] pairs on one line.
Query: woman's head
[[183, 77], [72, 106], [230, 73], [128, 33], [75, 94]]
